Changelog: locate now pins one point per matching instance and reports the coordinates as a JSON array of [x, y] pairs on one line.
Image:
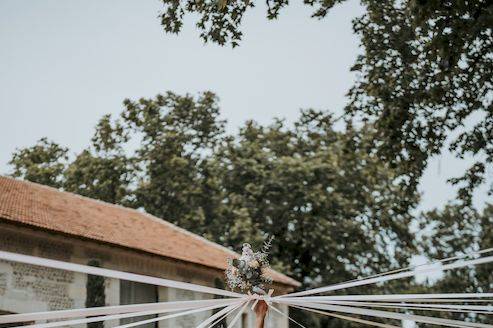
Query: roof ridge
[[143, 212], [185, 231]]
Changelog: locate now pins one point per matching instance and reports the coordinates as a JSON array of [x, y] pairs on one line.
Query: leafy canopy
[[43, 163], [339, 201], [426, 74], [337, 211]]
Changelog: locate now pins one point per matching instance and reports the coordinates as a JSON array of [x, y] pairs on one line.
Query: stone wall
[[26, 288]]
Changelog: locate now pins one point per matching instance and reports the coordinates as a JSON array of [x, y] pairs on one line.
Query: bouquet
[[248, 273]]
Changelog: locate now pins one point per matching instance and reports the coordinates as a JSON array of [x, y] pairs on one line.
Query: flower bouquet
[[248, 273]]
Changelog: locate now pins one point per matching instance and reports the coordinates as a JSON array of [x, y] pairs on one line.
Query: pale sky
[[64, 64]]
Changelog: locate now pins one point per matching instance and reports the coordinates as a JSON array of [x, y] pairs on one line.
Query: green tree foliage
[[427, 83], [105, 178], [176, 134], [458, 230], [426, 73], [220, 21], [338, 212], [314, 183], [102, 171], [338, 200], [95, 293], [42, 163]]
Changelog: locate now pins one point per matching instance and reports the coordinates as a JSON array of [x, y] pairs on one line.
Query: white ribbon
[[285, 316], [113, 274], [143, 322], [395, 276], [418, 306], [225, 315], [390, 315], [219, 314], [106, 310], [451, 300], [393, 297], [238, 315], [414, 267], [344, 317], [352, 304], [124, 315]]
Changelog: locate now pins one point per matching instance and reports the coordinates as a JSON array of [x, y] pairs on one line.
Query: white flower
[[247, 251]]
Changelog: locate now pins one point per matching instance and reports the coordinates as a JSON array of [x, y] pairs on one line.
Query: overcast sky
[[63, 64]]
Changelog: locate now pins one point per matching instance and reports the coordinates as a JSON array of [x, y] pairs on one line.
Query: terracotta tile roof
[[45, 207]]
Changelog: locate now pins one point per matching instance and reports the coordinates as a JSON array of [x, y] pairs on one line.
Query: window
[[133, 293], [244, 320]]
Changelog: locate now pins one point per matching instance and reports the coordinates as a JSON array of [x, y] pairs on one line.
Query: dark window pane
[[135, 293]]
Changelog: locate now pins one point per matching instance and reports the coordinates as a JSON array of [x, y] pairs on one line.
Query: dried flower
[[248, 272], [253, 264]]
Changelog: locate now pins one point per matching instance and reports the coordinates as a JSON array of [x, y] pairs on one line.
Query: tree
[[95, 293], [177, 134], [336, 209], [103, 171], [220, 21], [426, 74], [42, 163], [104, 178], [459, 230], [313, 183]]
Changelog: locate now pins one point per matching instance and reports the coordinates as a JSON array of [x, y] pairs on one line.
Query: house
[[42, 221]]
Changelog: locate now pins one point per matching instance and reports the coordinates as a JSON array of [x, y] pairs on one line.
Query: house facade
[[42, 221]]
